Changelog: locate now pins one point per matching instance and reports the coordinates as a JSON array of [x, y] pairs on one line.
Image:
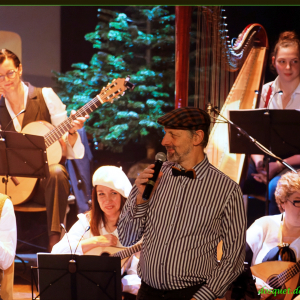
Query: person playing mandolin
[[277, 238], [20, 104], [111, 188]]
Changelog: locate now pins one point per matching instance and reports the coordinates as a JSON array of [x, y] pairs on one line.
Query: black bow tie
[[188, 173]]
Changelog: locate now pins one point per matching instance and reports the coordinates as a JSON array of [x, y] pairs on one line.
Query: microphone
[[160, 157], [21, 112], [278, 92], [72, 263], [86, 229], [64, 228]]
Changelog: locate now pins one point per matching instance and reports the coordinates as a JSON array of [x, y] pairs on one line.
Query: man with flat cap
[[193, 206]]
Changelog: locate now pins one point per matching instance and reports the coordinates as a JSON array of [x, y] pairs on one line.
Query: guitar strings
[[286, 275], [59, 131]]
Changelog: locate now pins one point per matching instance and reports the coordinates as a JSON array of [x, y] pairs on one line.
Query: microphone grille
[[161, 156]]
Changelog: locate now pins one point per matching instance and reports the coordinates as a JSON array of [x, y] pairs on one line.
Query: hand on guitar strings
[[77, 124]]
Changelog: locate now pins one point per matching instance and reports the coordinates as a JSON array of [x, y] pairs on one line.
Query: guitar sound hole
[[105, 254]]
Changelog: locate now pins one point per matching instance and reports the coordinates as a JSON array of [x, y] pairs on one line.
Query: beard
[[177, 157]]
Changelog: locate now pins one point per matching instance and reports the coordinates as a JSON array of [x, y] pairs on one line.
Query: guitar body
[[20, 189], [267, 270], [106, 251], [103, 250], [123, 253]]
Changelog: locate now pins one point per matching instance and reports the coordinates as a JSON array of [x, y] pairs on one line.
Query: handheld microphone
[[21, 112], [160, 157]]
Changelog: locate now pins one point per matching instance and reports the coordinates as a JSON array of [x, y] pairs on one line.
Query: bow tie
[[188, 173]]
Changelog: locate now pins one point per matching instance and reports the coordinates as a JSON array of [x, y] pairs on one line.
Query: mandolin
[[20, 189], [279, 275]]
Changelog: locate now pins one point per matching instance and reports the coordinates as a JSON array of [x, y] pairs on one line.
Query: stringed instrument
[[124, 253], [279, 275], [20, 188], [229, 76]]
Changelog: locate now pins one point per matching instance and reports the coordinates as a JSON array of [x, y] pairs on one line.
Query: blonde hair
[[287, 185]]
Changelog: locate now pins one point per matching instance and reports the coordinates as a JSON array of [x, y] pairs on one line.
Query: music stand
[[22, 155], [96, 277], [275, 129]]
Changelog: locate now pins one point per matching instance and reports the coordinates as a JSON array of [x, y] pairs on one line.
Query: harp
[[229, 76]]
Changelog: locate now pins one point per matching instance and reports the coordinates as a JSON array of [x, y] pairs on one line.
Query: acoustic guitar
[[20, 188], [279, 275], [124, 253]]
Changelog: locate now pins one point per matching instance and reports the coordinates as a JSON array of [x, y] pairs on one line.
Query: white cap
[[114, 178]]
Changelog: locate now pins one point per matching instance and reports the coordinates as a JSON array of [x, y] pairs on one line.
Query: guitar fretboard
[[128, 252], [283, 277], [107, 94], [56, 133]]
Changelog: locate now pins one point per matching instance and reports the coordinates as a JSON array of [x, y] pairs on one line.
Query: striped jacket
[[182, 225]]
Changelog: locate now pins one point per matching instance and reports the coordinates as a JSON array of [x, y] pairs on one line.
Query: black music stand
[[96, 277], [22, 155], [275, 129]]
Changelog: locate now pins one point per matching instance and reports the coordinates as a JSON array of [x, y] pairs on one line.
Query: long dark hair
[[97, 214], [7, 54]]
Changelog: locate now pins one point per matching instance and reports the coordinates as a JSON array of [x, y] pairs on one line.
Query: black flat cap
[[188, 118]]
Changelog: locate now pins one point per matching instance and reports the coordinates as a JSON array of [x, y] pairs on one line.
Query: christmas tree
[[139, 41]]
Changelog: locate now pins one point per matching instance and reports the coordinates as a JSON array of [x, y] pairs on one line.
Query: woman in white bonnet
[[111, 188]]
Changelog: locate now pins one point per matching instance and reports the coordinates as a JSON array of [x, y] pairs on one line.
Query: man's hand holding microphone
[[149, 179]]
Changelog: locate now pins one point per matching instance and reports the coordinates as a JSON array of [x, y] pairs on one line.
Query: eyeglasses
[[10, 74], [296, 203]]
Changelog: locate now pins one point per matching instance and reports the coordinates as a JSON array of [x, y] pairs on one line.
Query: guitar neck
[[113, 90], [289, 273], [56, 133], [128, 252]]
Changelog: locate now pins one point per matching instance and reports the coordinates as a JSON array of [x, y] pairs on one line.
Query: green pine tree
[[138, 42]]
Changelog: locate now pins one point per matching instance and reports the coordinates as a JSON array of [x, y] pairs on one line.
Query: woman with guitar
[[282, 93], [273, 242], [96, 231], [21, 104]]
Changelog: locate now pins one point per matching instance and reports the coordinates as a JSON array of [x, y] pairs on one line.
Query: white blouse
[[8, 235], [275, 100]]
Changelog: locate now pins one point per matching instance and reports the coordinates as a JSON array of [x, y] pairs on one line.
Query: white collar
[[16, 123]]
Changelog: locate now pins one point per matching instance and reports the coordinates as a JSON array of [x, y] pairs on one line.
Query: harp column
[[182, 49]]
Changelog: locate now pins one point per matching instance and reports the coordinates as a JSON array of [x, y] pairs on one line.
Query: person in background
[[286, 63], [40, 104], [276, 237], [8, 233], [111, 189], [8, 241]]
